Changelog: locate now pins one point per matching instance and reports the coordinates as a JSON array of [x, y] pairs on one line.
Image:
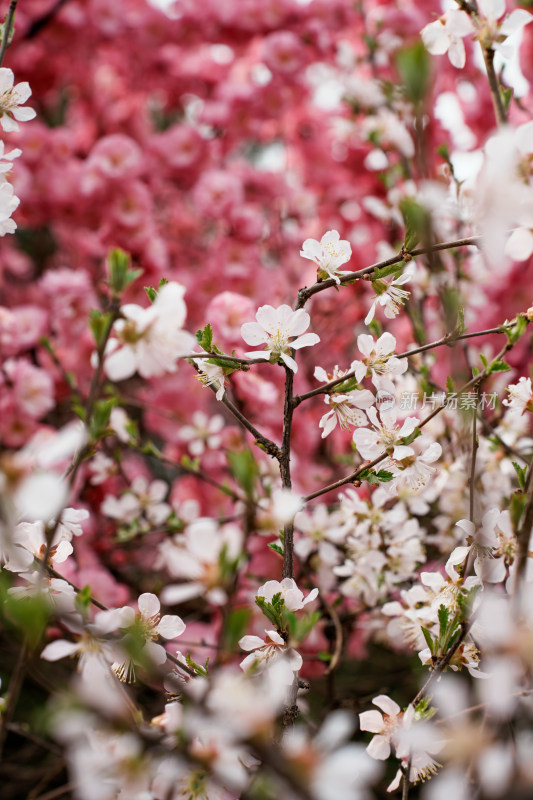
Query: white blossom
[[328, 254], [280, 330], [446, 34], [11, 101], [149, 340]]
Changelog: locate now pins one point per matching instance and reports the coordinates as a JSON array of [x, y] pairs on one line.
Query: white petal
[[170, 626], [148, 604], [289, 361], [59, 649], [307, 340], [371, 721], [253, 333], [379, 748], [520, 244], [248, 643], [387, 704]]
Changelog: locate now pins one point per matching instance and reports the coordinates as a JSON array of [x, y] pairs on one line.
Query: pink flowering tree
[[215, 219]]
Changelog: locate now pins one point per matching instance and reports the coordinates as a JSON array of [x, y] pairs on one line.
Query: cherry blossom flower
[[143, 499], [494, 544], [520, 395], [276, 327], [11, 101], [265, 650], [414, 471], [200, 556], [292, 596], [378, 360], [388, 296], [212, 375], [331, 766], [387, 436], [345, 406], [492, 33], [149, 340], [151, 625], [384, 725], [9, 203], [328, 254], [203, 434], [446, 34]]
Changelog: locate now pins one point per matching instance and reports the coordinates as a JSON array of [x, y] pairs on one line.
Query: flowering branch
[[307, 292]]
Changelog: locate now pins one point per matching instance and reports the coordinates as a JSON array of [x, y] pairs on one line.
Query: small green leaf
[[429, 639], [416, 219], [83, 600], [277, 548], [443, 616], [498, 366], [99, 323], [514, 329], [235, 627], [244, 469], [375, 328], [516, 508], [414, 66], [521, 474], [393, 269], [412, 436], [120, 272], [205, 338]]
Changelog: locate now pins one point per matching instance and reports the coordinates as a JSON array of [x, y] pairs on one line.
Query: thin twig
[[475, 445], [7, 29], [448, 339], [308, 291], [15, 685], [285, 472]]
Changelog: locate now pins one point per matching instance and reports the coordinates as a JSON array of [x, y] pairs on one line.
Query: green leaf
[[521, 474], [235, 627], [100, 419], [99, 323], [443, 152], [205, 338], [507, 95], [516, 508], [375, 478], [393, 269], [277, 548], [412, 436], [120, 272], [83, 601], [443, 616], [375, 328], [414, 65], [244, 469], [514, 329], [450, 386], [499, 366], [271, 613], [416, 219], [429, 639], [484, 360]]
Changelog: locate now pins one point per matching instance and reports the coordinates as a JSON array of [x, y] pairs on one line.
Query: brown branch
[[7, 29], [308, 291]]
